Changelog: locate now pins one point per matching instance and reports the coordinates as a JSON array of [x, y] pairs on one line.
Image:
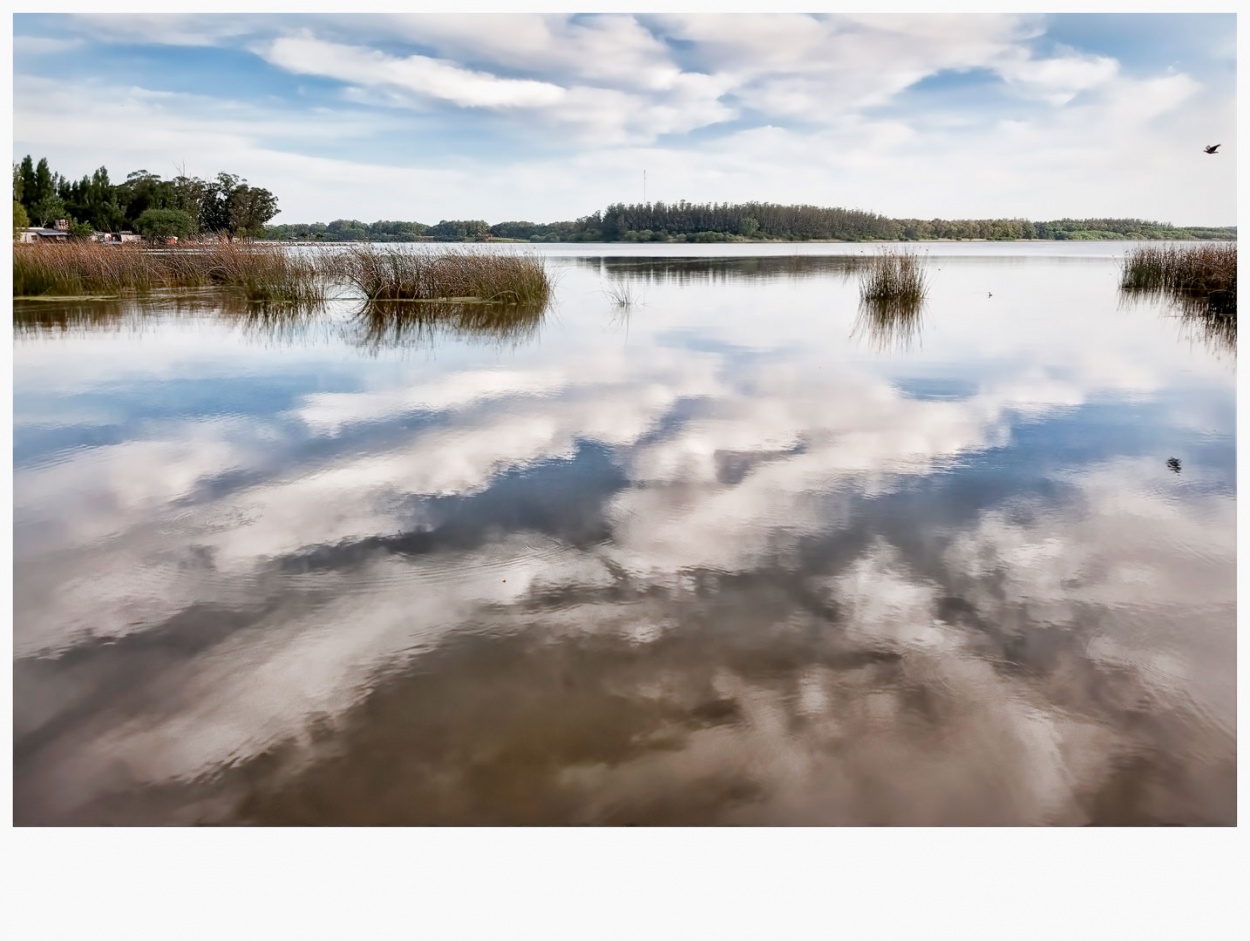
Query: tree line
[[728, 222], [144, 203]]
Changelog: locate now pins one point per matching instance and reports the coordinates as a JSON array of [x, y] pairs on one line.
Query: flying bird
[[1210, 148], [1174, 465]]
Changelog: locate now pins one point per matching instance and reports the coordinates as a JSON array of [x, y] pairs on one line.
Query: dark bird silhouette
[[1210, 148], [1174, 464]]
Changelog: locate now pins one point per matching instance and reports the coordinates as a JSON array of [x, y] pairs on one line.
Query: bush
[[162, 223]]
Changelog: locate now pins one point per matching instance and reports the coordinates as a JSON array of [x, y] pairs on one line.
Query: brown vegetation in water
[[893, 277], [390, 274], [260, 272], [271, 273], [1200, 278]]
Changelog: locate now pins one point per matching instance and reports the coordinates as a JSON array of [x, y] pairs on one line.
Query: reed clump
[[270, 274], [1195, 276], [621, 294], [893, 278], [394, 274]]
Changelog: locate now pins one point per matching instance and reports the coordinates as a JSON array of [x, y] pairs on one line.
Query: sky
[[544, 117]]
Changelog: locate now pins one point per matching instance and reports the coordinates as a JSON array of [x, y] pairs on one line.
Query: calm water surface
[[739, 553]]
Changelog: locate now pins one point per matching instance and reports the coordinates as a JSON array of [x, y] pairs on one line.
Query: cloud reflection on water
[[639, 584]]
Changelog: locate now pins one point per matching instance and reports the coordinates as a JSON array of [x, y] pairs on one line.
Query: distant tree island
[[188, 207], [739, 222]]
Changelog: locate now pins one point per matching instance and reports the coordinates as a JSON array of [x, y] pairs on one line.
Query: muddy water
[[737, 552]]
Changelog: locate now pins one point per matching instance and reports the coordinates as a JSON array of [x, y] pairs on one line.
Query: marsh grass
[[893, 278], [258, 272], [1200, 279], [1190, 268], [395, 274], [272, 274]]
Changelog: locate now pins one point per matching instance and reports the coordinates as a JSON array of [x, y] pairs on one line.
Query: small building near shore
[[39, 234]]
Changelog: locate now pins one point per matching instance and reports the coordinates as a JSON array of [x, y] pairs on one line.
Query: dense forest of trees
[[143, 203], [728, 222]]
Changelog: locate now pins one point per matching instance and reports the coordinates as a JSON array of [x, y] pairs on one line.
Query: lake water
[[737, 553]]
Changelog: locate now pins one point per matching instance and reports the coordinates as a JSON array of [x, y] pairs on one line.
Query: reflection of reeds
[[387, 324], [1214, 329], [1198, 281], [69, 316], [376, 325], [1199, 278], [402, 274], [50, 316], [891, 324], [894, 278], [697, 270]]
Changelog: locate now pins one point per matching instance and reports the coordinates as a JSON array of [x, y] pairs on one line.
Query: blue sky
[[545, 117]]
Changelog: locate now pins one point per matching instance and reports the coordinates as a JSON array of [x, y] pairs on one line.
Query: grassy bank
[[269, 273]]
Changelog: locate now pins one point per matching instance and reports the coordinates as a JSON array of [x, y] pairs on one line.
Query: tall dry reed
[[259, 272], [893, 277], [1200, 276], [395, 274]]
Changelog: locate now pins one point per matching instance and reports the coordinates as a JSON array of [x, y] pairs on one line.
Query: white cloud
[[420, 75], [606, 98], [608, 49], [1060, 79]]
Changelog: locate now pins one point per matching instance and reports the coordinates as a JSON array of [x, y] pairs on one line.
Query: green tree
[[93, 200], [460, 230], [44, 185], [20, 219], [80, 230], [188, 194], [26, 181], [230, 205], [143, 191], [48, 210], [162, 223]]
